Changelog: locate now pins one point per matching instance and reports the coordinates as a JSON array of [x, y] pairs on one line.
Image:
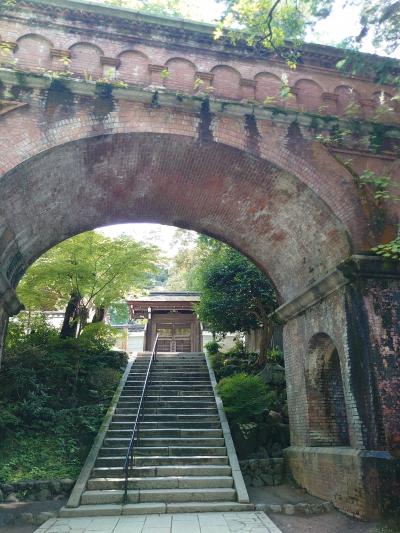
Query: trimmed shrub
[[212, 347], [245, 396]]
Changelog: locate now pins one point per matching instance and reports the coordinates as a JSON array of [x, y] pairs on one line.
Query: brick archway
[[263, 211], [213, 148]]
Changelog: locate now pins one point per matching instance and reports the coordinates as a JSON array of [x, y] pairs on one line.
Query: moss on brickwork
[[206, 118], [104, 102], [59, 100]]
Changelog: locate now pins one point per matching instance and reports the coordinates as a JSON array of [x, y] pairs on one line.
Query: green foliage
[[275, 355], [235, 294], [88, 270], [100, 269], [97, 338], [380, 19], [180, 275], [218, 365], [391, 250], [280, 26], [245, 396], [7, 4], [236, 360], [381, 185], [212, 347], [118, 313], [266, 23], [27, 456], [53, 390]]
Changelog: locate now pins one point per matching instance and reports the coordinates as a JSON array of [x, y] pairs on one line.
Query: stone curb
[[80, 485], [296, 508], [238, 480]]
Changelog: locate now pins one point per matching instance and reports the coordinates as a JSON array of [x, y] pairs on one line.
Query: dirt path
[[332, 522]]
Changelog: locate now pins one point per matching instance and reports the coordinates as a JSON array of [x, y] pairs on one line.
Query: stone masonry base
[[362, 483]]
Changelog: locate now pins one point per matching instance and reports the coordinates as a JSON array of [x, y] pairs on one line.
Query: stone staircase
[[181, 463]]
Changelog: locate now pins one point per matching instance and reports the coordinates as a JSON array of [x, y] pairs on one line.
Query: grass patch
[[25, 457]]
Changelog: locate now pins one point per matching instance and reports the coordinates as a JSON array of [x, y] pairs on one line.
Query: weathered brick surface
[[359, 323], [362, 484], [76, 154], [136, 44]]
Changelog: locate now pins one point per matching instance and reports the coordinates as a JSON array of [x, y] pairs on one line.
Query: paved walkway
[[256, 522]]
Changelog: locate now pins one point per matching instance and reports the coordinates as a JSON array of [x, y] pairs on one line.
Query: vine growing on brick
[[383, 190]]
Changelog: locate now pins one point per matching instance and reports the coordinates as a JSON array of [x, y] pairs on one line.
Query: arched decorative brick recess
[[327, 417], [308, 95], [133, 67], [385, 108], [33, 52], [181, 75], [267, 87], [85, 60], [226, 82], [348, 99]]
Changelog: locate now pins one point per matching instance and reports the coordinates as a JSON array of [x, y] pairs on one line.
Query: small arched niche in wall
[[328, 425]]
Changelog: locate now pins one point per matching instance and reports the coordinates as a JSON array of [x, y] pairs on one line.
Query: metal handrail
[[135, 432]]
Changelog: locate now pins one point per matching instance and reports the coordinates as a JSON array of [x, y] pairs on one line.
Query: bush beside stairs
[[185, 460]]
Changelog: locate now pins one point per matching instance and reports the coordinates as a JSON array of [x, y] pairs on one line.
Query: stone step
[[166, 442], [198, 411], [175, 383], [163, 482], [161, 390], [179, 356], [185, 374], [103, 510], [170, 417], [167, 396], [118, 424], [177, 403], [163, 471], [158, 495], [180, 463], [161, 460], [180, 371], [179, 365], [180, 384], [154, 508], [162, 357], [170, 389], [166, 378], [116, 451], [165, 432]]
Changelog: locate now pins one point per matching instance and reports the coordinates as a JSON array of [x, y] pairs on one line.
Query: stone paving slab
[[249, 522]]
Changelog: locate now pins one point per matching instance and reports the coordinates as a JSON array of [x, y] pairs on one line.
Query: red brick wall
[[75, 155], [87, 39]]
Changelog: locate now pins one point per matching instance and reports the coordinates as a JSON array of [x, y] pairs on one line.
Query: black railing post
[[135, 432]]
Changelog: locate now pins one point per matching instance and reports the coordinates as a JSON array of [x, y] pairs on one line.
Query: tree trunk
[[266, 336], [99, 314], [83, 318], [70, 322]]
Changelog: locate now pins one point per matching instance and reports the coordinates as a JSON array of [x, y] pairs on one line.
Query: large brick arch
[[105, 137], [265, 212]]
